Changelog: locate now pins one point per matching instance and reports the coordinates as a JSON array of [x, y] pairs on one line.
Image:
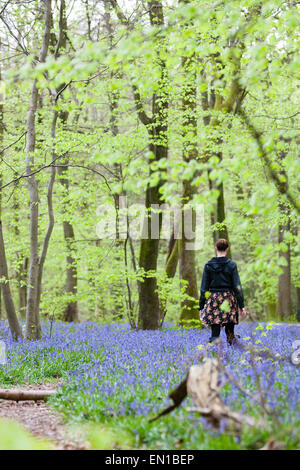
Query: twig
[[13, 143], [277, 117]]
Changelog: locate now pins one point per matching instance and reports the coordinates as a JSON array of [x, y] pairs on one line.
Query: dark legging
[[215, 330]]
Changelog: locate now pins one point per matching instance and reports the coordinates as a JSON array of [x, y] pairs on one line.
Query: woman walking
[[221, 294]]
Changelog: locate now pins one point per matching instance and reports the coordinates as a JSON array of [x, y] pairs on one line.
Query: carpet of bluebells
[[112, 371]]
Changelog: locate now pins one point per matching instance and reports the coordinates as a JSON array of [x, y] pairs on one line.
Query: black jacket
[[220, 274]]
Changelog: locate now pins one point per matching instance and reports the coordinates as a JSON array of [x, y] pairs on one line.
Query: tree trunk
[[149, 307], [188, 274], [22, 262], [14, 326], [70, 313], [113, 98], [229, 105], [189, 304], [284, 308], [149, 310], [50, 224], [173, 256], [221, 231], [284, 303], [22, 275], [33, 329]]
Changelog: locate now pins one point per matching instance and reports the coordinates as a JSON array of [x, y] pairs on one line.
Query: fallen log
[[24, 395]]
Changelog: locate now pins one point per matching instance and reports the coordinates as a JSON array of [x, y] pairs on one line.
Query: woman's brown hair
[[222, 244]]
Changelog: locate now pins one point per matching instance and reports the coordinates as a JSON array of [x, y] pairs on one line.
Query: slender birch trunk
[[32, 322], [50, 224], [70, 313], [189, 304], [22, 261], [284, 308]]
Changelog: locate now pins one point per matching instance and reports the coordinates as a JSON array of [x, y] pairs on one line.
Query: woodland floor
[[43, 422]]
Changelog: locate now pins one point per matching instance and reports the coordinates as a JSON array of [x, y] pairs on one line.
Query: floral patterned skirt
[[220, 308]]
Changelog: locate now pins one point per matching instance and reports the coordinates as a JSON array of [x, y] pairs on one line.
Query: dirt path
[[43, 422]]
